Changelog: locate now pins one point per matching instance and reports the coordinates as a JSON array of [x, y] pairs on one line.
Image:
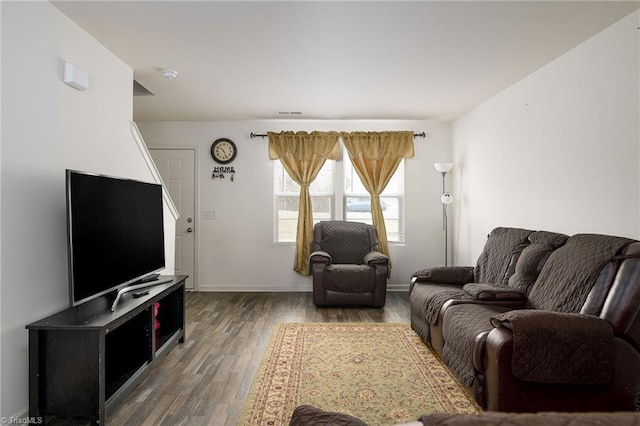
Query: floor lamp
[[446, 199]]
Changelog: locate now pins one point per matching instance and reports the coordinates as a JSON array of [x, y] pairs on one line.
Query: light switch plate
[[210, 214]]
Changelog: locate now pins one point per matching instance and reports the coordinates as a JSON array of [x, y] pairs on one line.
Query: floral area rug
[[381, 373]]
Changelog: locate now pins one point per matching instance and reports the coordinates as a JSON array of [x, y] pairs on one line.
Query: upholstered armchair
[[346, 267]]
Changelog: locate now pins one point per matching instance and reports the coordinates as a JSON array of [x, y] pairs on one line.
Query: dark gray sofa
[[543, 322]]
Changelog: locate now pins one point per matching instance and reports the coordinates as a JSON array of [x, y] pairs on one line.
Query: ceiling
[[240, 60]]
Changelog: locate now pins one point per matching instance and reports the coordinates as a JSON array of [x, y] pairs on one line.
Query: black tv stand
[[86, 358]]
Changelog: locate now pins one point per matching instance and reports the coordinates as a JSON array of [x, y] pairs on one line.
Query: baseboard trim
[[276, 289], [397, 287]]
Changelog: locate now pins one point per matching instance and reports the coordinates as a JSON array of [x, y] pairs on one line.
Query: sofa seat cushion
[[460, 326], [350, 278], [426, 299], [425, 302]]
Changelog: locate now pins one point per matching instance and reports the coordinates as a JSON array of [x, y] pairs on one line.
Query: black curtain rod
[[259, 135]]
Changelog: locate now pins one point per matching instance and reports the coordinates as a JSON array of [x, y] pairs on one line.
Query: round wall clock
[[223, 151]]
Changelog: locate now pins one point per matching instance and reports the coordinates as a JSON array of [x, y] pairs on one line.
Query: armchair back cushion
[[346, 242]]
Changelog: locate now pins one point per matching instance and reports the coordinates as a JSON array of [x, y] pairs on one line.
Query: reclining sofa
[[543, 322]]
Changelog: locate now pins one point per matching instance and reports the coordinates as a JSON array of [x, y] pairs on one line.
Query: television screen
[[115, 233]]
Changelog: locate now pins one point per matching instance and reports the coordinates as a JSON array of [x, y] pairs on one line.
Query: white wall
[[557, 151], [48, 127], [1, 221], [236, 251]]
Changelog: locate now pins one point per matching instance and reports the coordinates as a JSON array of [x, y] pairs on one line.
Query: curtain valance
[[304, 146], [378, 145]]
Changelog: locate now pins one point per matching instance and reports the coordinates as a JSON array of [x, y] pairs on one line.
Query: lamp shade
[[443, 167], [446, 198]]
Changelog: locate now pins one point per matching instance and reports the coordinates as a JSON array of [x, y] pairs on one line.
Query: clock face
[[223, 151]]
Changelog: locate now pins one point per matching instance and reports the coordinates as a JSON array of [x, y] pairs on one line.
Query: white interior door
[[177, 168]]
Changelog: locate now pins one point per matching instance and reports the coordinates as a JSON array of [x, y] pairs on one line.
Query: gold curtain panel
[[302, 155], [375, 157]]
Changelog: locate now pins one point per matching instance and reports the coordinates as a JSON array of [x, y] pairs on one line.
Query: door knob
[[189, 229]]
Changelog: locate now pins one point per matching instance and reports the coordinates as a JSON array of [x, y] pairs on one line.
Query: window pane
[[358, 209], [323, 184], [322, 208], [352, 182], [287, 211], [392, 218], [283, 183], [395, 185], [287, 217]]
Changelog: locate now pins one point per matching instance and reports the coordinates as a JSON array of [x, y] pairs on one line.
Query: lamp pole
[[444, 223], [444, 210], [446, 199]]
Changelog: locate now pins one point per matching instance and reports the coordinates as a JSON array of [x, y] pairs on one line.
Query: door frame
[[196, 202]]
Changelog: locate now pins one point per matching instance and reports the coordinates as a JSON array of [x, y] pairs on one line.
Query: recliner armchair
[[347, 268]]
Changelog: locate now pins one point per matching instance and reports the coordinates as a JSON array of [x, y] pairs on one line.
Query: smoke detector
[[169, 74]]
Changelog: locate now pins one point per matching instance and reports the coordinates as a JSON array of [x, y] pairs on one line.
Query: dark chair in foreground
[[346, 266], [306, 415]]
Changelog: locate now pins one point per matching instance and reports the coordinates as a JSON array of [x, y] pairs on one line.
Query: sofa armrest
[[320, 257], [376, 258], [478, 354], [553, 347], [493, 292], [503, 391], [445, 274]]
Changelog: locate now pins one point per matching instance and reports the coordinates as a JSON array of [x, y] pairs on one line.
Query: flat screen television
[[115, 233]]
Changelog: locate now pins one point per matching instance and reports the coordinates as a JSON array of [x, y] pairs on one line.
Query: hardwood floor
[[205, 381]]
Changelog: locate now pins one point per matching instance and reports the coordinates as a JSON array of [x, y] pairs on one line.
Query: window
[[337, 193]]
